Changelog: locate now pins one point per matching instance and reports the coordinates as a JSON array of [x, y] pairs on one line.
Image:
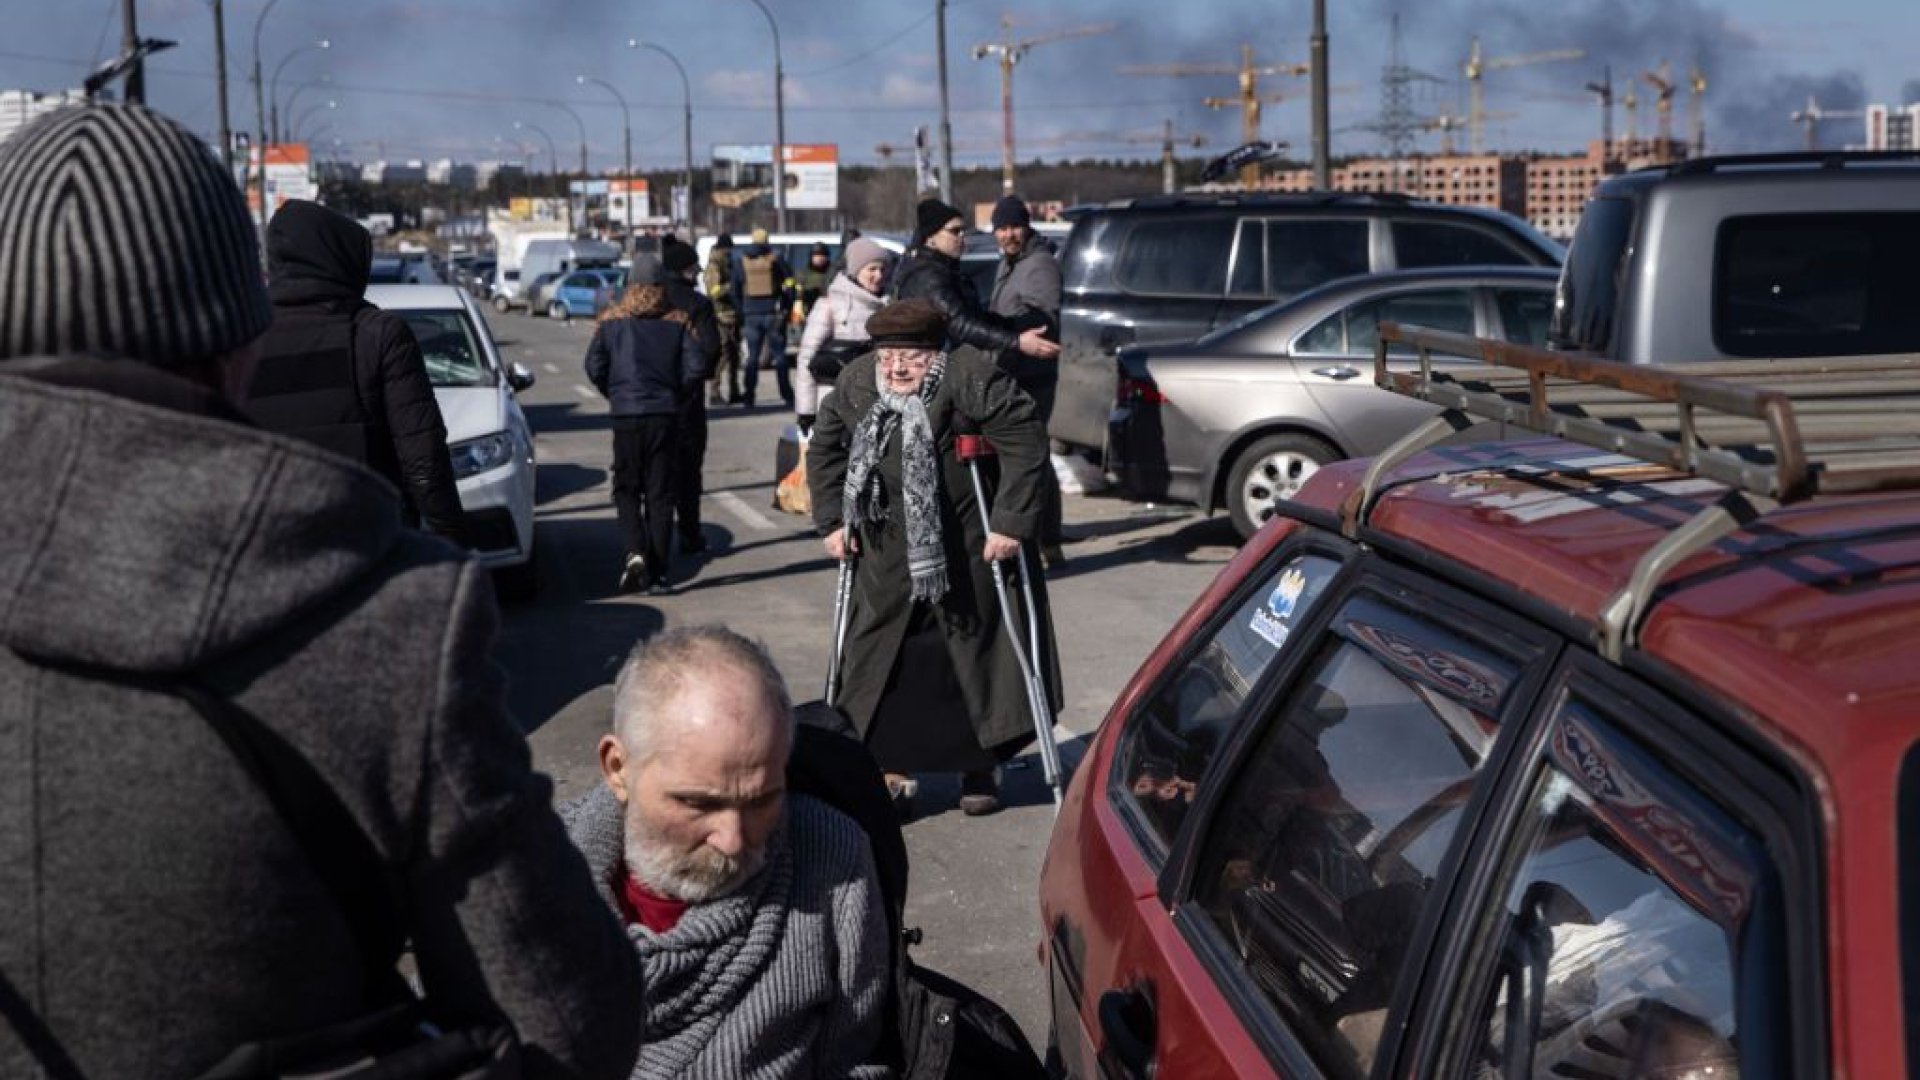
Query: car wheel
[[558, 312], [502, 305], [519, 584], [1271, 469]]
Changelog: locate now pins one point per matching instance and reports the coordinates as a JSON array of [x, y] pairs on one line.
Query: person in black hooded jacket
[[931, 271], [342, 374]]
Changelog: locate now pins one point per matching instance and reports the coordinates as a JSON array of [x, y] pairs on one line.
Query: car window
[[1329, 338], [1433, 309], [1174, 735], [1325, 848], [1444, 243], [1303, 254], [453, 357], [1628, 934], [1183, 257], [1526, 314], [1250, 261], [584, 281], [1816, 285]]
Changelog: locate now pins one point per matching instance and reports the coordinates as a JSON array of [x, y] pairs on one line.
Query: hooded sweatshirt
[[158, 910], [344, 375]]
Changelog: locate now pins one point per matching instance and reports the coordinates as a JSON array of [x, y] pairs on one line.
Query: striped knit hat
[[122, 235]]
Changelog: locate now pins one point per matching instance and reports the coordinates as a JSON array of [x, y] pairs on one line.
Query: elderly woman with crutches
[[939, 670]]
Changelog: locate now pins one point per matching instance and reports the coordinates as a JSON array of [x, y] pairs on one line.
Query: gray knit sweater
[[785, 979]]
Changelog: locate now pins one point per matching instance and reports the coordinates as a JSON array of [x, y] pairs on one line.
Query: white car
[[487, 432]]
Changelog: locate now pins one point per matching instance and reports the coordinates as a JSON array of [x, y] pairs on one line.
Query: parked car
[[487, 431], [1245, 415], [1776, 255], [504, 291], [1172, 267], [562, 257], [406, 268], [585, 293], [1531, 759]]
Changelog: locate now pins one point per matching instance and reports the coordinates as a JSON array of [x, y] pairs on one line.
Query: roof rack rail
[[1774, 432], [1826, 159]]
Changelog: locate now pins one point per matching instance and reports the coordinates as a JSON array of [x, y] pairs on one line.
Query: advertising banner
[[813, 176]]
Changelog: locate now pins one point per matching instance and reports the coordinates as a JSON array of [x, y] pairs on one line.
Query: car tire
[[558, 312], [502, 305], [519, 584], [1271, 468]]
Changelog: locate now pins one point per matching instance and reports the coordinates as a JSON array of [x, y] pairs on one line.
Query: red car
[[1528, 759]]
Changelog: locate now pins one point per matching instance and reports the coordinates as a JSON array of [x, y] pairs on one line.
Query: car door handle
[[1338, 373], [1127, 1029]]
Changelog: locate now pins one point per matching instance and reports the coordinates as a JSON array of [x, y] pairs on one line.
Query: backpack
[[759, 275], [936, 1027]]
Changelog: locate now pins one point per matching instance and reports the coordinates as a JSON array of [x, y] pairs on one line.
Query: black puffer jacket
[[645, 367], [344, 375], [929, 275]]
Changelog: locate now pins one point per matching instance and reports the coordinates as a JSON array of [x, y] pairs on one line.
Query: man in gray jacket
[[170, 575], [757, 916], [1026, 291]]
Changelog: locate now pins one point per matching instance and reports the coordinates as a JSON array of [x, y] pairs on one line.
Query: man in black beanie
[[254, 740], [679, 269], [1026, 290], [931, 271]]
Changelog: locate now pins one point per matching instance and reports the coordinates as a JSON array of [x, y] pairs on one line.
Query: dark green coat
[[973, 387]]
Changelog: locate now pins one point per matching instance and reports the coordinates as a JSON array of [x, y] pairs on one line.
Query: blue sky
[[426, 78]]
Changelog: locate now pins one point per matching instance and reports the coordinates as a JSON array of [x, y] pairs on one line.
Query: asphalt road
[[1132, 570]]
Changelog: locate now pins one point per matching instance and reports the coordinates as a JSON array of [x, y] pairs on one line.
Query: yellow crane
[[1662, 83], [1476, 68], [1010, 52], [1249, 98], [1696, 117]]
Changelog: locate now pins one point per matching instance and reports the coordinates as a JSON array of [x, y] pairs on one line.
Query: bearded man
[[756, 915]]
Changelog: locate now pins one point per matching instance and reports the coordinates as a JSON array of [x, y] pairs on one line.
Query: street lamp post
[[293, 127], [626, 167], [274, 95], [293, 96], [553, 159], [260, 115], [779, 123], [686, 91], [582, 125]]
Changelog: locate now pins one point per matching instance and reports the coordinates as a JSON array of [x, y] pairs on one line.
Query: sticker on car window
[[1292, 594]]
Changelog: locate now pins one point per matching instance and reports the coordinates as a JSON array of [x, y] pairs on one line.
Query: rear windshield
[[1816, 285], [1583, 308], [453, 357]]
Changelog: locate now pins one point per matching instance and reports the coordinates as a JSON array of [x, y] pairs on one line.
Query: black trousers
[[643, 458], [689, 462], [1042, 393]]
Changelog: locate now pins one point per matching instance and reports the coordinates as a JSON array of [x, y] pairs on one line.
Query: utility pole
[[220, 64], [260, 117], [946, 115], [1317, 58], [1603, 90], [136, 89]]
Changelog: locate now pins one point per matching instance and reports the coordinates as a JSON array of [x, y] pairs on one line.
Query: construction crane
[[1813, 114], [1696, 116], [1477, 67], [1249, 98], [1662, 83], [1603, 91], [1630, 102], [1447, 123], [1010, 53], [1169, 182]]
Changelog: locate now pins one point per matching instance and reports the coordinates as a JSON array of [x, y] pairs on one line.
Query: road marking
[[585, 391], [754, 518], [552, 369]]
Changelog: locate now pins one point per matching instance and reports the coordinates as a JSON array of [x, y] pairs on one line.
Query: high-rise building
[[1893, 127], [17, 107]]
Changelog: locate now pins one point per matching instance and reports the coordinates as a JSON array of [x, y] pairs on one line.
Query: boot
[[980, 792]]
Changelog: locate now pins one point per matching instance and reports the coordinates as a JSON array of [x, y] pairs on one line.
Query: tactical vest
[[759, 274], [312, 394]]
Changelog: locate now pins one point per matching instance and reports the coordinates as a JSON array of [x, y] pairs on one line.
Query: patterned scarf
[[865, 495]]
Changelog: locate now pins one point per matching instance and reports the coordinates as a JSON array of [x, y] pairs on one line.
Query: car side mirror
[[519, 378]]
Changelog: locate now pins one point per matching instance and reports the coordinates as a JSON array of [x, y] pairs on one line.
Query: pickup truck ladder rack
[[1774, 432]]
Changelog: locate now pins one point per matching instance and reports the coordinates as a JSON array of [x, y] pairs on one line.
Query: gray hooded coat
[[155, 910]]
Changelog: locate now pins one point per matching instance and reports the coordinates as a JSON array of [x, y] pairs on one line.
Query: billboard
[[618, 192], [743, 172], [288, 173], [813, 176]]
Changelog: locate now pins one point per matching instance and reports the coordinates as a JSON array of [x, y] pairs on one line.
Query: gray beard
[[693, 878]]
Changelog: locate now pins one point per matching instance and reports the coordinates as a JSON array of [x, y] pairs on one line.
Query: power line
[[857, 57]]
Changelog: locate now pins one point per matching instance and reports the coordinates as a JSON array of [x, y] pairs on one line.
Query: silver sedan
[[1241, 417]]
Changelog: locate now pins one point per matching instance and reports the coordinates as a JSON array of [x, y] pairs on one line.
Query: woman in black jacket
[[931, 272], [645, 361]]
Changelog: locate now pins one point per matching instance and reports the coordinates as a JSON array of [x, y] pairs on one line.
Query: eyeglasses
[[957, 230], [911, 359]]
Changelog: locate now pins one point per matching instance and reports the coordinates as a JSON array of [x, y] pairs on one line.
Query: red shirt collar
[[639, 904]]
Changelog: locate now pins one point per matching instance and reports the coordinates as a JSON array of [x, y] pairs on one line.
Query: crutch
[[972, 449], [842, 605]]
